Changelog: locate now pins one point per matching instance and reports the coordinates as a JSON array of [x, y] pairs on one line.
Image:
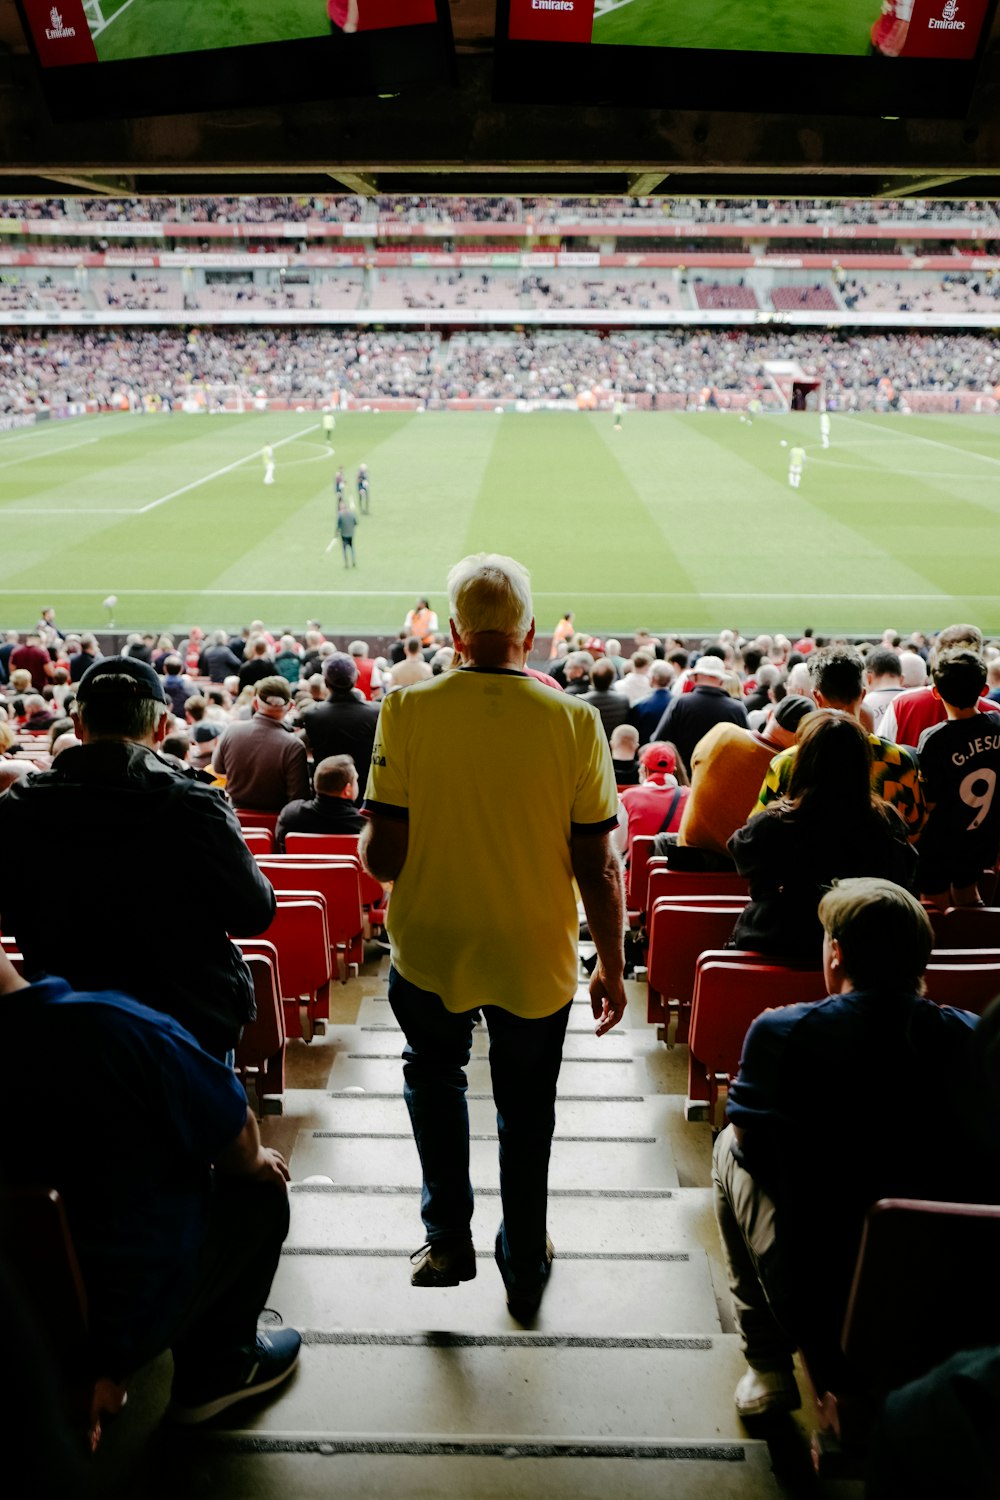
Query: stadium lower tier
[[233, 366]]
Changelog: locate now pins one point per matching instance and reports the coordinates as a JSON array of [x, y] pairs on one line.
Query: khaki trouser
[[745, 1215]]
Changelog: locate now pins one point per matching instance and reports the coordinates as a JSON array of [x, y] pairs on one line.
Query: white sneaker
[[763, 1391]]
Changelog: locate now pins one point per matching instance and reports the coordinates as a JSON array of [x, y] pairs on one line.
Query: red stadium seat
[[679, 931], [250, 819], [969, 986], [966, 927], [339, 880], [638, 876], [260, 840], [373, 893], [707, 884], [728, 995], [260, 1056], [300, 934], [322, 843], [896, 1327]]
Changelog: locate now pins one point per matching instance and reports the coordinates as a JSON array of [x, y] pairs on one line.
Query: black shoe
[[524, 1305], [211, 1391], [443, 1263]]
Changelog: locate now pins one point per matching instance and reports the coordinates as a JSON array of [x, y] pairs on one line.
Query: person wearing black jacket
[[345, 724], [119, 821]]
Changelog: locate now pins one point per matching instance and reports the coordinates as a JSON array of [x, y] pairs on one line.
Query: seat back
[[248, 818], [678, 932], [345, 846], [300, 934], [638, 872], [706, 884], [922, 1290], [259, 840], [968, 986], [339, 880], [35, 1243], [322, 843], [966, 927], [260, 1056], [729, 994]]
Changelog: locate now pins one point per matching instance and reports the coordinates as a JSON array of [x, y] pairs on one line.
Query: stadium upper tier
[[523, 215], [101, 368], [872, 290]]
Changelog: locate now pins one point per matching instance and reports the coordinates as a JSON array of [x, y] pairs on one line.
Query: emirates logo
[[57, 31]]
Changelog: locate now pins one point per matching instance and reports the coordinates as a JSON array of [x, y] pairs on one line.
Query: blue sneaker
[[211, 1391]]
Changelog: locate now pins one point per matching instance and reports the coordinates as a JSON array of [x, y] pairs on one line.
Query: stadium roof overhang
[[461, 140]]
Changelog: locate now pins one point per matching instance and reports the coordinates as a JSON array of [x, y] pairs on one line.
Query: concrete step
[[364, 1469], [579, 1045], [384, 1074], [587, 1296], [376, 1023], [352, 1158], [509, 1386], [654, 1116], [620, 1224]]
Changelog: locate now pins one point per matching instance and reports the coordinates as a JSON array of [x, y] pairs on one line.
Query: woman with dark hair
[[830, 826]]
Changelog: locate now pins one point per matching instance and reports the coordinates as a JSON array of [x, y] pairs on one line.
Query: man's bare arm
[[598, 873], [383, 845], [247, 1157]]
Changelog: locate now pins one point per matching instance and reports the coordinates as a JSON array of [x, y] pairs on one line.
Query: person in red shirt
[[34, 658], [656, 805], [905, 720], [369, 677]]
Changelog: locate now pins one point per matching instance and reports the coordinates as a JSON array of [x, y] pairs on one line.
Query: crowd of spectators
[[413, 209], [54, 368]]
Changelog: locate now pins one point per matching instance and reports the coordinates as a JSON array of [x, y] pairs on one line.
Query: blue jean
[[525, 1057]]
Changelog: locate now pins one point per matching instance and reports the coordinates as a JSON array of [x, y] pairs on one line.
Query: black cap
[[790, 712], [105, 679]]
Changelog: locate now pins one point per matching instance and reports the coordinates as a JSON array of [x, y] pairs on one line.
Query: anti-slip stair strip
[[444, 1339], [341, 1252], [336, 1447], [361, 1094], [382, 1189], [566, 1062], [407, 1135]]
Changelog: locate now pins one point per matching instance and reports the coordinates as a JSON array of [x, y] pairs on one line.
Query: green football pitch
[[680, 521], [838, 27], [149, 28]]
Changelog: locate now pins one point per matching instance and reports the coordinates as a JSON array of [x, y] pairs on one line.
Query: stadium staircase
[[623, 1387]]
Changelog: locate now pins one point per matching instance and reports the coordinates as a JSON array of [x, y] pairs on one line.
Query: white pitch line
[[606, 10], [665, 596], [49, 453], [217, 473], [110, 21], [916, 437]]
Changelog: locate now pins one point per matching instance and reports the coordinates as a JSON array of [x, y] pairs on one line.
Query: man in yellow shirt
[[488, 794]]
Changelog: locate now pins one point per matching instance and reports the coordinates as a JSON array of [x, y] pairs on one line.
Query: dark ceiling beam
[[644, 184], [463, 132], [360, 183], [102, 187]]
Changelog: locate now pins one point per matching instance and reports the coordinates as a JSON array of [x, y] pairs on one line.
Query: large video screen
[[81, 31], [842, 56], [829, 28], [114, 58]]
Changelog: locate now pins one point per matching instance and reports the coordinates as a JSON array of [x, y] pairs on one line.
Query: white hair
[[799, 680], [914, 669], [489, 592]]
